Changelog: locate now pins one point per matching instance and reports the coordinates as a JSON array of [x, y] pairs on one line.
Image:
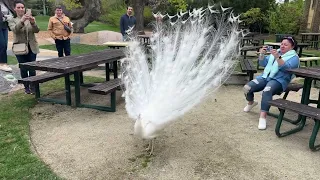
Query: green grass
[[17, 161], [12, 60], [314, 52], [78, 48], [98, 26], [42, 22]]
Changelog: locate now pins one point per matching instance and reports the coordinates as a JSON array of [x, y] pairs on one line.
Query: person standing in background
[[5, 13], [127, 21], [60, 28]]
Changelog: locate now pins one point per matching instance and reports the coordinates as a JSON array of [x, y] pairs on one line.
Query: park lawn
[[12, 60], [17, 161], [312, 51], [42, 22]]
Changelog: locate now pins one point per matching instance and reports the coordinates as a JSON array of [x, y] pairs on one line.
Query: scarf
[[272, 67]]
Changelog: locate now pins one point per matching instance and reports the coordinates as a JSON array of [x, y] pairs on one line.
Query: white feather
[[189, 60]]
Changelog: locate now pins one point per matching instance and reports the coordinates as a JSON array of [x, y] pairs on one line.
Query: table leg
[[305, 99], [107, 72], [115, 69], [68, 89], [300, 51], [81, 78], [77, 89]]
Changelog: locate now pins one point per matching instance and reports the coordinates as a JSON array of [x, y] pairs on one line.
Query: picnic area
[[75, 125]]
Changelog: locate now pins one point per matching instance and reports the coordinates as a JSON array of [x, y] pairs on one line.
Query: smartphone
[[269, 48], [28, 11]]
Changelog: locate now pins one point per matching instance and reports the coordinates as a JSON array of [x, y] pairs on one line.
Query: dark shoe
[[27, 91], [32, 90]]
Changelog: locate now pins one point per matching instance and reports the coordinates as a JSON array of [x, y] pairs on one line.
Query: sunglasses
[[290, 38]]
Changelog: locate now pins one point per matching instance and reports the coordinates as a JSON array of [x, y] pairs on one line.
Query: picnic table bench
[[75, 65], [106, 88], [116, 45], [305, 60], [248, 67], [36, 80], [303, 109]]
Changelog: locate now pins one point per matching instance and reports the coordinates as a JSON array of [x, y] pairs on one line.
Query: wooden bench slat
[[309, 58], [302, 109], [294, 87], [41, 78], [106, 87]]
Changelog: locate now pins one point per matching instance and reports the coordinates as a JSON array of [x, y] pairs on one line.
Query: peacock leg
[[150, 147]]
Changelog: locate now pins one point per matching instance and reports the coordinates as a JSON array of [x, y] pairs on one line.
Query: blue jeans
[[269, 89], [3, 45], [63, 46], [30, 57]]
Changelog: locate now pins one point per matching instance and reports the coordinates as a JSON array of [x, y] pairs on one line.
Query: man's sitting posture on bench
[[274, 79]]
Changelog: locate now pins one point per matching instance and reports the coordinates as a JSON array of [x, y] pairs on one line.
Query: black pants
[[3, 45], [23, 59], [63, 46]]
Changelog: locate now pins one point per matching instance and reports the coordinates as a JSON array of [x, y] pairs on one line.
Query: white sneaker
[[249, 107], [5, 67], [262, 124]]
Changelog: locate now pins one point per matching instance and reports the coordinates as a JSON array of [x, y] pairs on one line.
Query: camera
[[269, 48]]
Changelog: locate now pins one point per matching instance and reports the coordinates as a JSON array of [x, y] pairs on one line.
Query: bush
[[148, 17], [113, 10], [286, 18]]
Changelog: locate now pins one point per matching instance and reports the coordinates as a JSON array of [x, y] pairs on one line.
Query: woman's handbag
[[21, 48]]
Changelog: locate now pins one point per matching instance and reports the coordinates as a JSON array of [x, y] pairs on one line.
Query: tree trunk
[[44, 7], [316, 20], [138, 8], [92, 11], [304, 21]]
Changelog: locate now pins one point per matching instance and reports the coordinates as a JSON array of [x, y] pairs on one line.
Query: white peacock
[[191, 54]]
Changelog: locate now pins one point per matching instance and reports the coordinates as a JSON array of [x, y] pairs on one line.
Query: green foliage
[[286, 18], [148, 17], [112, 10], [254, 16], [71, 4], [179, 4]]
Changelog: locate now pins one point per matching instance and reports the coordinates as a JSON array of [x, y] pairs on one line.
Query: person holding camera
[[274, 79], [60, 28], [25, 45]]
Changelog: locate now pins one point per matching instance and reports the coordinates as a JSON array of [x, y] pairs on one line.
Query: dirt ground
[[215, 140]]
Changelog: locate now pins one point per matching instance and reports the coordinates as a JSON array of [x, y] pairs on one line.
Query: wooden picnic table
[[116, 45], [303, 109], [245, 49], [314, 41], [75, 65], [145, 38], [300, 46]]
